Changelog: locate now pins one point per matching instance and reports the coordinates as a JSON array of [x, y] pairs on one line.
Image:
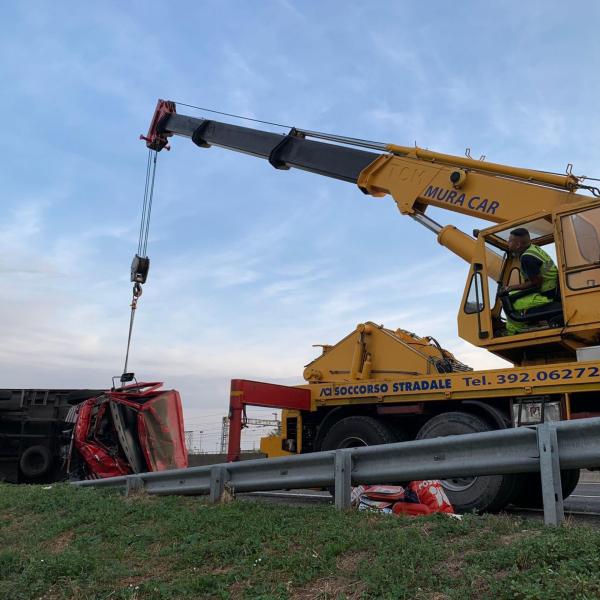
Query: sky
[[250, 266]]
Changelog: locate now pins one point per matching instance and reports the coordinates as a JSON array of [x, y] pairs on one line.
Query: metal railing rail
[[545, 448]]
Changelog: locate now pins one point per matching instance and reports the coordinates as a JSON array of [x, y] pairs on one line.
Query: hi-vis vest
[[549, 271]]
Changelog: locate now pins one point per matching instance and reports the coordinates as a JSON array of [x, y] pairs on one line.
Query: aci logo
[[348, 390]]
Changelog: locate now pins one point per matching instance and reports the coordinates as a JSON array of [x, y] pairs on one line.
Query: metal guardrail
[[545, 448]]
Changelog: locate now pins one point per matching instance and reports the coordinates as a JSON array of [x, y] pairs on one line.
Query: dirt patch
[[330, 588], [342, 582], [221, 570], [137, 496], [228, 494], [59, 591], [347, 563], [60, 542], [501, 574], [160, 571], [12, 522], [480, 586], [420, 527], [134, 581], [237, 589], [425, 527], [511, 538], [453, 566]]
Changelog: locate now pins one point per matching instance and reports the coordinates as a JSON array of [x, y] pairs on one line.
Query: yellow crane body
[[404, 372], [380, 385]]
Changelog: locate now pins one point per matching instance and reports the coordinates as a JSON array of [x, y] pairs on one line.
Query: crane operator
[[538, 274]]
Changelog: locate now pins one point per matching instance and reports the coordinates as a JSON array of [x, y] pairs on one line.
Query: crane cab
[[551, 333]]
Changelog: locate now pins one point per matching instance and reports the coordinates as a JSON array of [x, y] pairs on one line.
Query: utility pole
[[189, 438], [224, 434], [190, 441]]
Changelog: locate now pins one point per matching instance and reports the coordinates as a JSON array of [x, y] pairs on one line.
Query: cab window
[[474, 302], [581, 235]]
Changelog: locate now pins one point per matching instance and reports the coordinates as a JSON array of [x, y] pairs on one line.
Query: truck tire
[[353, 432], [489, 493], [530, 488], [35, 461]]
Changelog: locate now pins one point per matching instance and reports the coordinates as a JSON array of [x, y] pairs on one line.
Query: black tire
[[35, 461], [530, 488], [569, 479], [353, 432], [489, 493]]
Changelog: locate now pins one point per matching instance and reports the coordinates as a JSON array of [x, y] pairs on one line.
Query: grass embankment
[[81, 543]]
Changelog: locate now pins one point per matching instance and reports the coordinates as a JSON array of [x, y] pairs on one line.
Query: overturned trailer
[[54, 435]]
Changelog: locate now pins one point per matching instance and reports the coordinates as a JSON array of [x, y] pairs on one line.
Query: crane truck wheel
[[353, 432], [530, 488], [489, 493]]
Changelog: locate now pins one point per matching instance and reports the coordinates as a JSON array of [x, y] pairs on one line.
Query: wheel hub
[[353, 442], [458, 484]]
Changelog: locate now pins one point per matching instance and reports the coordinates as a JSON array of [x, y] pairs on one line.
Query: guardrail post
[[343, 479], [554, 513], [133, 485], [218, 477]]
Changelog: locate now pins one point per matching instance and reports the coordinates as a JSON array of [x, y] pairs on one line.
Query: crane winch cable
[[141, 263]]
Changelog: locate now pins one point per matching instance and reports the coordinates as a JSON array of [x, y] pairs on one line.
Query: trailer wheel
[[35, 461], [489, 493], [530, 488], [353, 432]]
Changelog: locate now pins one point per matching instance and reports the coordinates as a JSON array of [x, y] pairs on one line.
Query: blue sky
[[251, 266]]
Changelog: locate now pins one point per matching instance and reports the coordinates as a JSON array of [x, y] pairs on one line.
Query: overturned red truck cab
[[135, 429], [49, 435]]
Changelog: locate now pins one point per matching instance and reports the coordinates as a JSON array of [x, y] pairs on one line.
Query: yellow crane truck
[[380, 385]]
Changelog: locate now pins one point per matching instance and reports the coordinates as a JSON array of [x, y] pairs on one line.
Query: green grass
[[66, 542]]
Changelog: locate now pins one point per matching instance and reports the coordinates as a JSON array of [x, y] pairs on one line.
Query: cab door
[[578, 252], [474, 317]]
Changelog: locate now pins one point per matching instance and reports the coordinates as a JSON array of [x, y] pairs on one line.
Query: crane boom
[[414, 177], [284, 152]]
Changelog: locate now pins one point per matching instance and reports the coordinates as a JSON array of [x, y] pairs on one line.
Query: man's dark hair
[[520, 232]]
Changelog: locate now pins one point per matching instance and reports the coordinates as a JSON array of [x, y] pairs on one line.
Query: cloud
[[407, 59], [250, 266], [534, 124], [289, 6]]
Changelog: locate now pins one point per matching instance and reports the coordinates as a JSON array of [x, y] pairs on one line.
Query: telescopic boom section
[[414, 177], [282, 151]]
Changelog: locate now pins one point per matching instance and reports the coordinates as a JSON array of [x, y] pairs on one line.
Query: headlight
[[527, 412]]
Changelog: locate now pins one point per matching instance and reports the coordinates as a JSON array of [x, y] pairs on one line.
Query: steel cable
[[142, 245], [306, 132]]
